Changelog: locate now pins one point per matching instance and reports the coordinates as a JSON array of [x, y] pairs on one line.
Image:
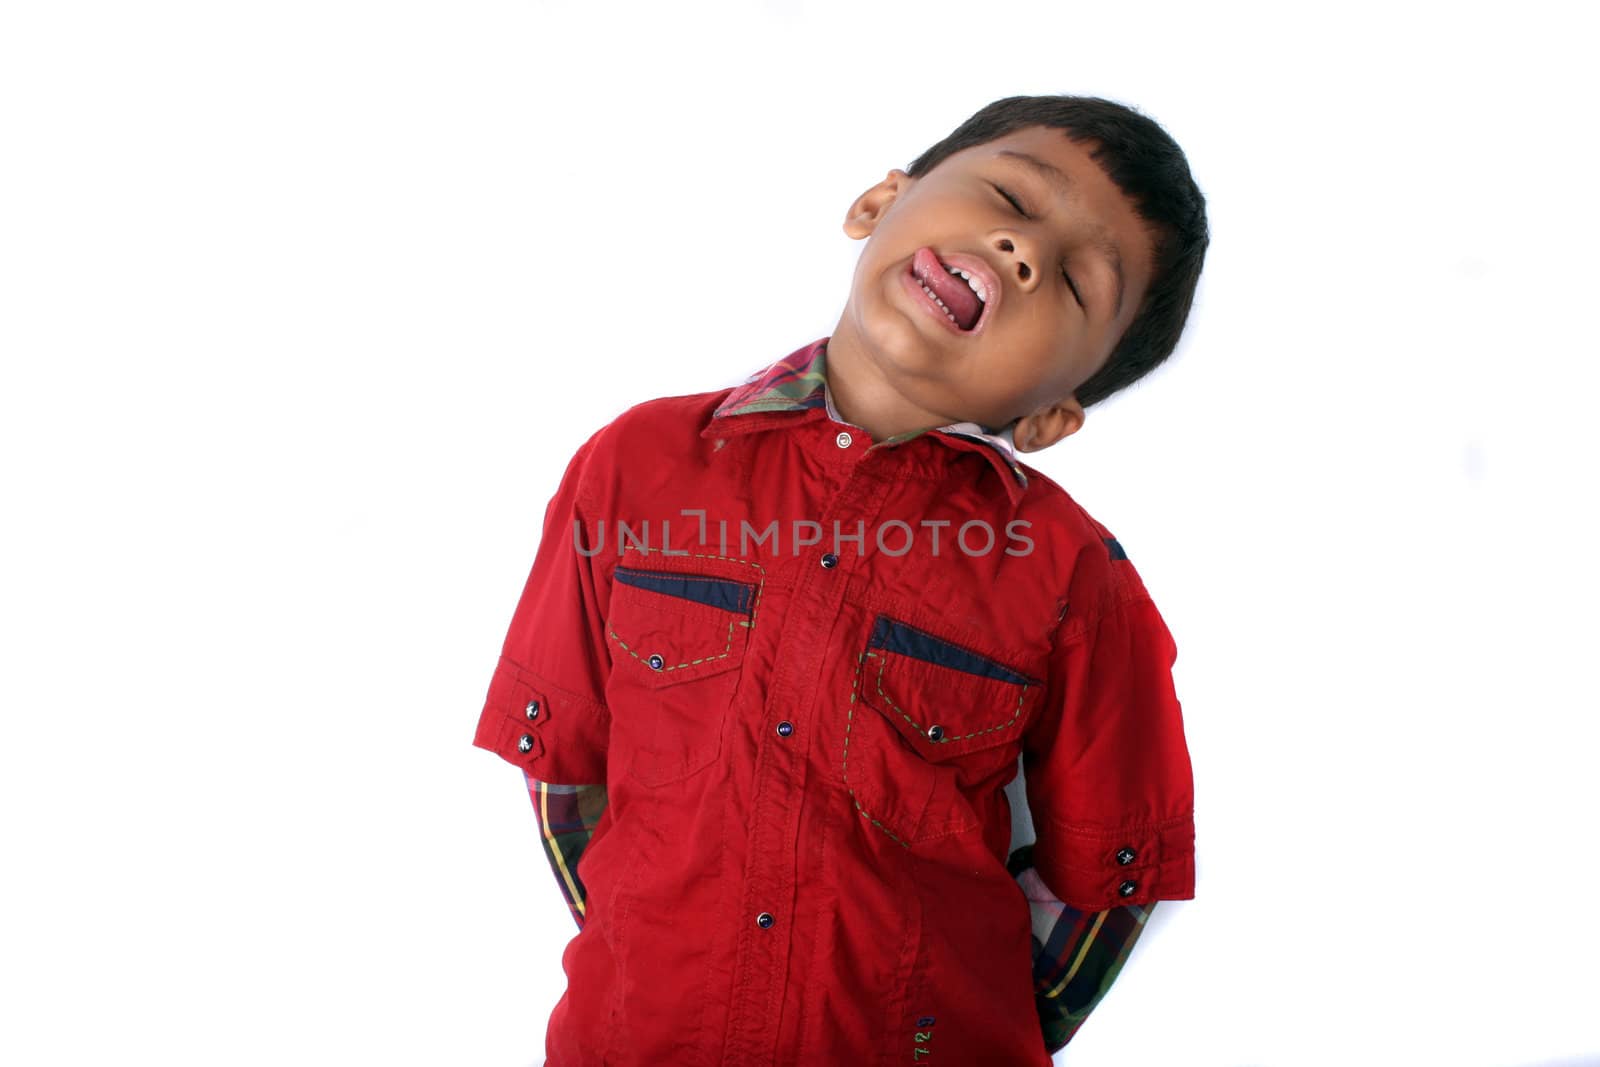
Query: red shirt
[[805, 697]]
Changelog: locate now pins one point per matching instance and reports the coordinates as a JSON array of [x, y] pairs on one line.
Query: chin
[[904, 342]]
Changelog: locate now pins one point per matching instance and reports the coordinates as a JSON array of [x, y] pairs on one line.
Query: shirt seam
[[1086, 625], [1085, 829], [540, 680]]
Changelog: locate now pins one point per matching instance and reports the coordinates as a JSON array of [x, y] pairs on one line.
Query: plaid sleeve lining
[[567, 815], [1077, 955]]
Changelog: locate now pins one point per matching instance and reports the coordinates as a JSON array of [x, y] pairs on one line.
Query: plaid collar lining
[[799, 381]]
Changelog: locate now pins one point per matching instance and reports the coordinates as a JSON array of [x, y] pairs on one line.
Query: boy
[[783, 644]]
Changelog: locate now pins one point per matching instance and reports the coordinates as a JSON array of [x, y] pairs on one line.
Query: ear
[[1048, 425], [869, 207]]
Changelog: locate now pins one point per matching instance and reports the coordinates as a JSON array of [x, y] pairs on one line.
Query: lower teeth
[[948, 313]]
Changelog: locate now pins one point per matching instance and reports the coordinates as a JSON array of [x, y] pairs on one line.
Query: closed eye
[[1024, 213], [1012, 200]]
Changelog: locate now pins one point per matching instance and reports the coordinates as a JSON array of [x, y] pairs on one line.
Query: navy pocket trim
[[724, 593], [892, 635]]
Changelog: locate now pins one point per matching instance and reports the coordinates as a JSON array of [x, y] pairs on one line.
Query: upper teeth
[[976, 284]]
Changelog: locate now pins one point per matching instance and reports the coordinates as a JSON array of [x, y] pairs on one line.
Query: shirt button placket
[[761, 968], [843, 439]]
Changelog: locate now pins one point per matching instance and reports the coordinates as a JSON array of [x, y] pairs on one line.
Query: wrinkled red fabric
[[832, 891]]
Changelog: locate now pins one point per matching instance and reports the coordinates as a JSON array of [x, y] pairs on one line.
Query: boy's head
[[1085, 234]]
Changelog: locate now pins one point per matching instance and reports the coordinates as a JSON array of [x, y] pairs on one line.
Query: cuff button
[[525, 744], [1126, 888], [1126, 855], [532, 710]]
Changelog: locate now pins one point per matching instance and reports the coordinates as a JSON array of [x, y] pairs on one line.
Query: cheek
[[876, 260], [1025, 388], [993, 393]]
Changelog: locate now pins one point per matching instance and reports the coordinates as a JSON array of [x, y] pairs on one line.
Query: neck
[[864, 397]]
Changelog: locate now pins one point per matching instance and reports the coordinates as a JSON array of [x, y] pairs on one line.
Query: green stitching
[[845, 764], [855, 685], [883, 665], [750, 624], [687, 663]]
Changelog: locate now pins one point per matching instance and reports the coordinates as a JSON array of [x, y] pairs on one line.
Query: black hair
[[1144, 162]]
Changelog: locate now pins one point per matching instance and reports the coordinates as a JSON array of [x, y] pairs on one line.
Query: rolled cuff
[[1093, 869], [550, 732]]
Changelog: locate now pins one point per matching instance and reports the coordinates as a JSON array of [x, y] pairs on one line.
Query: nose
[[1018, 261]]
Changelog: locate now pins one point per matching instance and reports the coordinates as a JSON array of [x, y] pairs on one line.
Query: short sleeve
[[1106, 766], [545, 710]]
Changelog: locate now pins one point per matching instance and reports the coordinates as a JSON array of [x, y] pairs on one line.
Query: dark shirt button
[[936, 733], [525, 744], [1126, 855], [1127, 888], [830, 560], [764, 920], [785, 728], [532, 709], [656, 663]]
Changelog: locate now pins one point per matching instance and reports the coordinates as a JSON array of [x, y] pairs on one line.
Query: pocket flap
[[944, 699], [674, 623]]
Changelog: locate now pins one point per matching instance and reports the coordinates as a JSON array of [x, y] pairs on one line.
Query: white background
[[303, 307]]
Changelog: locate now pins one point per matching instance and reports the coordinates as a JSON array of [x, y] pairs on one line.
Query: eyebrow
[[1063, 184]]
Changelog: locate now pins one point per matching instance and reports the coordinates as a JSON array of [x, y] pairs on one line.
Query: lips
[[971, 314]]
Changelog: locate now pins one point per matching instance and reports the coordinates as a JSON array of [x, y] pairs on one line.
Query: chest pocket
[[933, 732], [679, 627]]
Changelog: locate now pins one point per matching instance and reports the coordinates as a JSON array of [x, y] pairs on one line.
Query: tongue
[[956, 293]]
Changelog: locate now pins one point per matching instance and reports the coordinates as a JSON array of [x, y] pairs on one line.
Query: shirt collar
[[799, 382]]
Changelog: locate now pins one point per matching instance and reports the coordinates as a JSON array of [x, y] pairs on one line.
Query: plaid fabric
[[1076, 954], [800, 381], [567, 816]]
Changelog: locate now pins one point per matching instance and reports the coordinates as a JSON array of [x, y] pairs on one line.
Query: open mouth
[[962, 295]]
